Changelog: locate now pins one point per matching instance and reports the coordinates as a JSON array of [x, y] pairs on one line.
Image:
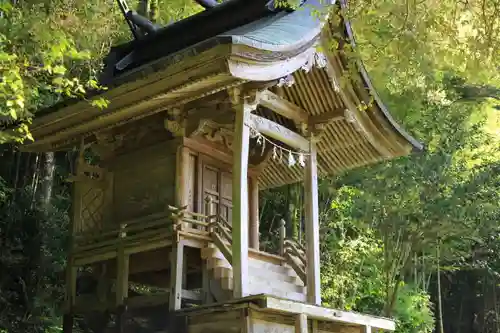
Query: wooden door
[[217, 185]]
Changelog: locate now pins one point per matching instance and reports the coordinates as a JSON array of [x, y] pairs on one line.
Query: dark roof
[[226, 23]]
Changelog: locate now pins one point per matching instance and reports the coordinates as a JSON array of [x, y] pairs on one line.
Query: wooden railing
[[182, 217], [220, 230], [132, 232], [294, 253]]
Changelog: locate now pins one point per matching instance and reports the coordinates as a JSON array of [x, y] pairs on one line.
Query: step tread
[[278, 285]]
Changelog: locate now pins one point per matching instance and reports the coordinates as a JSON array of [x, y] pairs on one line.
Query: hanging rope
[[293, 157]]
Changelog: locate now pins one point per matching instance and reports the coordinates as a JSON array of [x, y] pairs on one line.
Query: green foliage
[[435, 64], [35, 58], [413, 311]]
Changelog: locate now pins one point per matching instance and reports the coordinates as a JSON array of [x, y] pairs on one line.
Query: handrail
[[220, 230], [291, 248], [136, 228], [294, 253], [224, 222]]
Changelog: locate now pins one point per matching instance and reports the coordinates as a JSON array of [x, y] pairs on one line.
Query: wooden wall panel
[[144, 183], [261, 326]]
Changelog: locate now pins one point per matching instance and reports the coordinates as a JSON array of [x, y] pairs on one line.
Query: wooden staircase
[[264, 277]]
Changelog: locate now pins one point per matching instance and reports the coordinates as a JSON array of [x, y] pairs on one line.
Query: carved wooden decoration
[[175, 122], [215, 132], [106, 144]]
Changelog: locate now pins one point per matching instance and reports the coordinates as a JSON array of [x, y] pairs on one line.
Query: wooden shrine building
[[202, 115]]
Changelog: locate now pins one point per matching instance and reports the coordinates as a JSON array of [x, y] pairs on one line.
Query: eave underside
[[349, 137]]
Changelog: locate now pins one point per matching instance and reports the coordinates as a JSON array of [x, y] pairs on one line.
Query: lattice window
[[92, 205], [90, 197]]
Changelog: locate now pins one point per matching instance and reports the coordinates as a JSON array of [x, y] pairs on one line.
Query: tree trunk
[[440, 304], [153, 11], [47, 182], [143, 8]]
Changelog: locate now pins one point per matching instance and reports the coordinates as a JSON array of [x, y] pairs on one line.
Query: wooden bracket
[[175, 122], [248, 99]]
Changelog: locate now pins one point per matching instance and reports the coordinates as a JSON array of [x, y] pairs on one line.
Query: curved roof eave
[[284, 32], [417, 146]]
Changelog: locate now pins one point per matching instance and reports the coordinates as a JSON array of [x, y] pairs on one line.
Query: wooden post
[[75, 225], [282, 237], [254, 214], [314, 326], [176, 274], [68, 323], [122, 269], [240, 193], [121, 312], [301, 323], [312, 226], [205, 283], [209, 211], [181, 186]]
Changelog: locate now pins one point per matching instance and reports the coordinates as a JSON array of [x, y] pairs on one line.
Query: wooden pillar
[[240, 192], [282, 237], [301, 323], [122, 269], [74, 227], [68, 323], [312, 225], [181, 183], [176, 276], [121, 313], [254, 213]]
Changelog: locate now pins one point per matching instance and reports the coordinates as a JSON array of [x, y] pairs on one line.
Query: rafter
[[283, 107]]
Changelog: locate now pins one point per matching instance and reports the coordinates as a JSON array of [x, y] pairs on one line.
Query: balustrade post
[[179, 217], [209, 211], [282, 237]]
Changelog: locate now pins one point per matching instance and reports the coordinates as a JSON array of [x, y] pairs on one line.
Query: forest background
[[416, 239]]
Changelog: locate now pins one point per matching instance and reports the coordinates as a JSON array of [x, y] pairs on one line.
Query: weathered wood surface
[[278, 132], [251, 315], [144, 184], [240, 196], [312, 224], [327, 314]]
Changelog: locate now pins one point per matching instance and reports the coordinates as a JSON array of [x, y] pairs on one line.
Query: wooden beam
[[240, 195], [283, 107], [312, 225], [327, 314], [176, 274], [326, 117], [278, 132]]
